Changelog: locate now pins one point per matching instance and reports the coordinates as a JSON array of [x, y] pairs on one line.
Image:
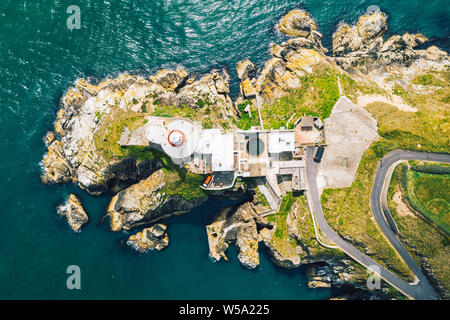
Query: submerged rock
[[73, 210], [152, 238]]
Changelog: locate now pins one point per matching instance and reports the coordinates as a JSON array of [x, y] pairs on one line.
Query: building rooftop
[[282, 141]]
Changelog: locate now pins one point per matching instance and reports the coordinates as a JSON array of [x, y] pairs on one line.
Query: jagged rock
[[144, 203], [433, 53], [235, 226], [56, 168], [401, 43], [333, 273], [49, 138], [414, 40], [153, 238], [170, 79], [280, 259], [362, 47], [73, 210], [372, 25], [245, 69], [248, 90], [346, 39], [297, 23]]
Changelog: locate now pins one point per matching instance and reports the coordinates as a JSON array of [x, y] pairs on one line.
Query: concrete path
[[421, 288]]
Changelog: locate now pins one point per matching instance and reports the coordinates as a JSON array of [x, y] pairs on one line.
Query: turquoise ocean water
[[40, 58]]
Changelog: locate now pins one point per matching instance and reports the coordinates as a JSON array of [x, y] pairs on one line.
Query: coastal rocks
[[130, 205], [346, 39], [372, 25], [235, 226], [74, 212], [144, 202], [152, 238], [283, 258], [170, 79], [354, 45], [292, 59], [56, 167], [245, 70], [361, 47], [297, 23], [400, 43], [329, 274]]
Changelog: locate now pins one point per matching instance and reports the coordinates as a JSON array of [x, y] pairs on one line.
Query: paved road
[[420, 289]]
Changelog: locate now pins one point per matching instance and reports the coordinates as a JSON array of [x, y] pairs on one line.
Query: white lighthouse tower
[[177, 137]]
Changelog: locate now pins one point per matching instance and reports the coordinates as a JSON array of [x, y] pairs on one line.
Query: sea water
[[40, 58]]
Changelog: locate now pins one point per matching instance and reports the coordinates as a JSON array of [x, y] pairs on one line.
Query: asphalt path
[[421, 288]]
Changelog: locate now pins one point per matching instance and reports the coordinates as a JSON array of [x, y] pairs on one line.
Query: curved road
[[421, 288]]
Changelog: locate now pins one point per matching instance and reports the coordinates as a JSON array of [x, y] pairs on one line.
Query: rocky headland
[[83, 147]]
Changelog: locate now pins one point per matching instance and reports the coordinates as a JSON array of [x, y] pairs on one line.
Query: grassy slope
[[348, 210], [430, 193], [422, 237], [205, 111], [285, 243], [316, 96]]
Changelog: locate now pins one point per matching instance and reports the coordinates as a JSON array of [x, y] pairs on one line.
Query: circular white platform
[[179, 138]]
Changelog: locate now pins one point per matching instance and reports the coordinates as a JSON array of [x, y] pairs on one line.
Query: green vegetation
[[286, 239], [245, 121], [316, 96], [353, 89], [178, 180], [205, 111], [287, 202], [348, 210], [429, 194], [418, 235], [434, 169], [107, 136], [428, 80]]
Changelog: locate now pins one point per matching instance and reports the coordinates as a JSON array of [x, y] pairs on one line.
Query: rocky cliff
[[144, 203], [235, 226]]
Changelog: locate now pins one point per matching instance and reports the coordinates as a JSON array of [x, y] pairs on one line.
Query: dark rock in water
[[152, 238], [73, 210]]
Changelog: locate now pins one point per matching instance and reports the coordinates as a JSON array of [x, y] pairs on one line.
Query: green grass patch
[[245, 122], [287, 202], [316, 96], [420, 236], [429, 194]]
